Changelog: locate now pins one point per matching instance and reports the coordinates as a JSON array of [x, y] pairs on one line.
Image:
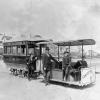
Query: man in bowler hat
[[47, 65]]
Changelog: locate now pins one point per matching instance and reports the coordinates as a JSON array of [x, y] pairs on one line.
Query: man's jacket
[[32, 62], [47, 64], [65, 62]]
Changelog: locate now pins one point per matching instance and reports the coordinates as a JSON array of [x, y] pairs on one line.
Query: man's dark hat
[[47, 48], [66, 52]]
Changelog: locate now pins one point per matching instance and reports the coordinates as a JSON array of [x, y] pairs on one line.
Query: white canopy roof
[[72, 42], [76, 42]]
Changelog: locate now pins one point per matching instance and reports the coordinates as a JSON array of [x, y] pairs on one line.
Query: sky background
[[54, 19]]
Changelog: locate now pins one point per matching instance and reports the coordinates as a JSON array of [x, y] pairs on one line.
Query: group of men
[[47, 65]]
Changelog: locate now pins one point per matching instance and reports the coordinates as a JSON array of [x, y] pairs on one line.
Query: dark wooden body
[[12, 56]]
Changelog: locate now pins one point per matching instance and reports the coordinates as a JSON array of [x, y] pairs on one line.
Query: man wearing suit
[[31, 63], [47, 65], [65, 64]]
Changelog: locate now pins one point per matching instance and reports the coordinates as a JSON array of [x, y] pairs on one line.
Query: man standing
[[31, 63], [65, 64], [47, 65]]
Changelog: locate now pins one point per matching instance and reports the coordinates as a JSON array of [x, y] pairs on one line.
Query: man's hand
[[44, 68], [27, 63], [62, 68], [35, 58]]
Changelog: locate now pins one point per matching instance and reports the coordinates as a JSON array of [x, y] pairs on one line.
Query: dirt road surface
[[18, 88]]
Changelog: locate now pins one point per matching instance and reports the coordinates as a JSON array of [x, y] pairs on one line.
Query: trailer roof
[[22, 42]]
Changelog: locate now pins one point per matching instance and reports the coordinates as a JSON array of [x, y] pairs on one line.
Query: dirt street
[[18, 88]]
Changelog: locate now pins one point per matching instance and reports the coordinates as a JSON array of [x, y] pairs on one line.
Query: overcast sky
[[57, 19]]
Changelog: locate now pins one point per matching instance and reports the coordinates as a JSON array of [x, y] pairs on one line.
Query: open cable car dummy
[[47, 65], [31, 65], [66, 65]]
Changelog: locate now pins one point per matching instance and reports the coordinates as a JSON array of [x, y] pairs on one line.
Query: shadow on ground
[[71, 86]]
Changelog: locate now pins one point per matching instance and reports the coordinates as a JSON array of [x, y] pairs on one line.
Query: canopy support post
[[91, 51], [40, 57], [69, 49], [58, 52], [82, 51], [26, 49]]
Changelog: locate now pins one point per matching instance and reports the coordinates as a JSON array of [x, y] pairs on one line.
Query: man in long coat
[[47, 65]]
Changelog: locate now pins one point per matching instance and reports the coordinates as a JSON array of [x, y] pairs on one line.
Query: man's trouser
[[29, 72], [65, 73], [47, 76]]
